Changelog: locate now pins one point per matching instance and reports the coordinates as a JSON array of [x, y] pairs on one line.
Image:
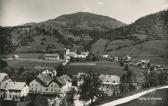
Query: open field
[[155, 50], [24, 55], [31, 63], [99, 67], [99, 45]]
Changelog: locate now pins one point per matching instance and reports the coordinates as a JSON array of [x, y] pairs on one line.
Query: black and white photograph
[[83, 52]]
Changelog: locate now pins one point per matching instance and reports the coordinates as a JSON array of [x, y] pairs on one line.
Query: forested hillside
[[6, 45], [147, 28], [85, 31], [153, 26], [79, 29]]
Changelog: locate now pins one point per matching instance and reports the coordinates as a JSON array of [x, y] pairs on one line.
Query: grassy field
[[25, 55], [118, 43], [156, 50], [31, 63], [99, 67], [99, 45]]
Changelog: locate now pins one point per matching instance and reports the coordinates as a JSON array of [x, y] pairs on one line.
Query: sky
[[17, 12]]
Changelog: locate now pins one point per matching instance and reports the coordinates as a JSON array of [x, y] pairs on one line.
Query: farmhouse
[[66, 81], [45, 84], [51, 57], [14, 90], [110, 84]]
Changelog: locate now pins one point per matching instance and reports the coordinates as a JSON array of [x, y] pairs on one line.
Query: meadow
[[100, 67]]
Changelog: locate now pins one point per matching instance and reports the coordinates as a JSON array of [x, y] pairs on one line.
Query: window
[[46, 89], [51, 89], [51, 85]]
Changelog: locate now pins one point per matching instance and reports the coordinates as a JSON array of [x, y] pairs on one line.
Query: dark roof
[[56, 81], [64, 79], [45, 78]]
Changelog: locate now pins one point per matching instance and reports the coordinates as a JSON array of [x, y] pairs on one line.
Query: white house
[[110, 84], [14, 90]]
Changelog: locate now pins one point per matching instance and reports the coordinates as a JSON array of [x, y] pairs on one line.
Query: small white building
[[105, 56], [116, 59], [15, 56], [80, 80], [51, 72], [127, 58], [51, 57]]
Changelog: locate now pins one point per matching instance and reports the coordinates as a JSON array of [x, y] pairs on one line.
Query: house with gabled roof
[[45, 84], [13, 90], [66, 81]]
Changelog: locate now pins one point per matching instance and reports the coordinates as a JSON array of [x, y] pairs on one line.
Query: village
[[56, 82]]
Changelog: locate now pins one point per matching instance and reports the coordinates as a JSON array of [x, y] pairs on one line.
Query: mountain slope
[[150, 27], [85, 20], [153, 26], [79, 29]]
